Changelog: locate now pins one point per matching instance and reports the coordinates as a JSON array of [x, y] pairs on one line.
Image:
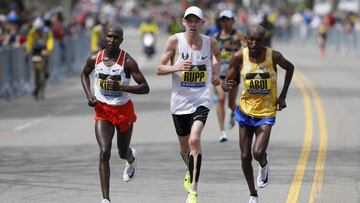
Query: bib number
[[195, 77], [258, 83]]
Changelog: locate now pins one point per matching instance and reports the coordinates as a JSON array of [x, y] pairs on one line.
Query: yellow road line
[[322, 148], [305, 150]]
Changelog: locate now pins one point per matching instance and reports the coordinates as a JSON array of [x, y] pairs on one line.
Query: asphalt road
[[48, 151]]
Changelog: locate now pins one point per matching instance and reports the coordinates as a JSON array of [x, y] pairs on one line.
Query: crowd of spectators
[[85, 14]]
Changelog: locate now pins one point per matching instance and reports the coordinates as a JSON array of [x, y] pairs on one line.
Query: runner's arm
[[289, 68], [216, 60], [132, 67], [85, 79], [164, 68], [234, 66]]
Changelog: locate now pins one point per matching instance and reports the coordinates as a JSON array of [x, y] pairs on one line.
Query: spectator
[[269, 27], [59, 33], [96, 36], [174, 26]]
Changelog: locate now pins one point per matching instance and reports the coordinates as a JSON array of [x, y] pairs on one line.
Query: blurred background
[[80, 22]]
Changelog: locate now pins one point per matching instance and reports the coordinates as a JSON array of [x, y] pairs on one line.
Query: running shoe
[[223, 137], [105, 201], [192, 197], [254, 199], [130, 169], [187, 182], [263, 175]]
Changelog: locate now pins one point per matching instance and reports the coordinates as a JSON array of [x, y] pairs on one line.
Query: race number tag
[[195, 77], [258, 83], [105, 88], [226, 55]]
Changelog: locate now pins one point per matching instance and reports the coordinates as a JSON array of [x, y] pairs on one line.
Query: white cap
[[195, 11], [226, 14]]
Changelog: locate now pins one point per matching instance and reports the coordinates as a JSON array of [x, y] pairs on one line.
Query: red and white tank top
[[105, 73]]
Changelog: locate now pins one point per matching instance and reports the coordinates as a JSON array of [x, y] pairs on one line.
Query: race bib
[[258, 83], [226, 55], [195, 77], [105, 88]]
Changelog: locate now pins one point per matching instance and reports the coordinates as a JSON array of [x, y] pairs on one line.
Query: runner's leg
[[184, 148], [220, 107], [195, 153], [232, 105], [246, 134], [123, 143], [104, 131], [232, 98], [262, 133]]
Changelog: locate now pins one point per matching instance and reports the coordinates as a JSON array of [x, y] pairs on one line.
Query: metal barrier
[[337, 39], [16, 75], [345, 42], [15, 78]]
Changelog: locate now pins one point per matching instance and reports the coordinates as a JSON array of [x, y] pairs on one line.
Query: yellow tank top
[[259, 94]]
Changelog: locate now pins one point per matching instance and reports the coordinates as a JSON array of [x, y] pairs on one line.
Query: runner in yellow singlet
[[258, 102]]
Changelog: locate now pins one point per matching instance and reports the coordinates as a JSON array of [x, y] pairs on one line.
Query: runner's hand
[[184, 66], [112, 85], [280, 104], [228, 85], [215, 80], [92, 101]]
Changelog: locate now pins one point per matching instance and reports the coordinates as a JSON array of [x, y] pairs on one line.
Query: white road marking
[[39, 120]]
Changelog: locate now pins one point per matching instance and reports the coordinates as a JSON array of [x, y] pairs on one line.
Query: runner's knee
[[105, 153], [246, 157], [258, 154], [194, 142]]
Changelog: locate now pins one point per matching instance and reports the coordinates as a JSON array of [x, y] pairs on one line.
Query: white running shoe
[[130, 169], [254, 199], [223, 137], [105, 201], [263, 175]]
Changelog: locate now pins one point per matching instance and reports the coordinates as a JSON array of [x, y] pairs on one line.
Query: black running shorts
[[184, 122]]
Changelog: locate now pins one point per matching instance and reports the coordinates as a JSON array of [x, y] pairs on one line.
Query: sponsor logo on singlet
[[258, 83], [185, 56], [195, 77]]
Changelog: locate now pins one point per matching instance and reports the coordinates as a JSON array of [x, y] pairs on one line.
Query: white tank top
[[190, 89], [115, 72]]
